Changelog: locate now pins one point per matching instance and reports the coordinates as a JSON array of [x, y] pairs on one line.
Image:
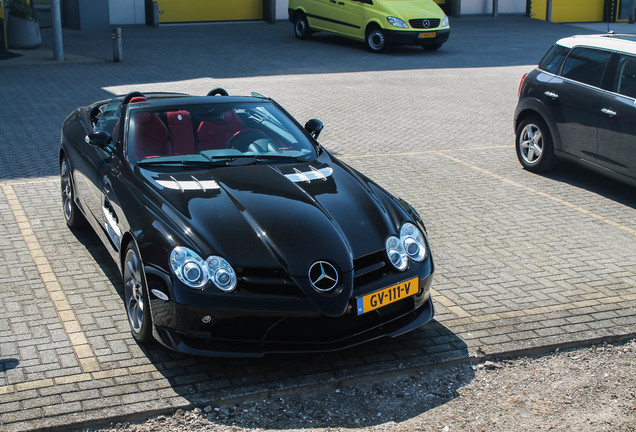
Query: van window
[[553, 59], [586, 65], [625, 76]]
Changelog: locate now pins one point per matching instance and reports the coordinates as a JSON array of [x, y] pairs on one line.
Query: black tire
[[301, 26], [136, 298], [376, 40], [72, 214], [534, 145], [432, 47]]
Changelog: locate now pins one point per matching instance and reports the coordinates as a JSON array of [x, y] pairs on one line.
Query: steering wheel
[[242, 139]]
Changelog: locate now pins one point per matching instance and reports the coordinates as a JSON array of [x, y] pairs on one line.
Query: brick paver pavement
[[525, 262]]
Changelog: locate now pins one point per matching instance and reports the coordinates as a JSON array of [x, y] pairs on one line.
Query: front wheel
[[136, 295], [534, 145], [301, 27], [72, 214], [376, 40]]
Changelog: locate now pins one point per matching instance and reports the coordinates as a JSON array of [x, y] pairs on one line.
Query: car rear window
[[553, 59], [586, 65]]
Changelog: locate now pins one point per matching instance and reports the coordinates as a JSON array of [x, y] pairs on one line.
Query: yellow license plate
[[387, 296], [427, 35]]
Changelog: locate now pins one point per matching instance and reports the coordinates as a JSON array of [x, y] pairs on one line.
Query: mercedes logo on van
[[323, 276], [426, 23]]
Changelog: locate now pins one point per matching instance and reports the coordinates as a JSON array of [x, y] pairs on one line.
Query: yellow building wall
[[577, 10], [569, 10], [173, 11], [538, 9]]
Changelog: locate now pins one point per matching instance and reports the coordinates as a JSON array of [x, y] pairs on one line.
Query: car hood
[[410, 9], [274, 216]]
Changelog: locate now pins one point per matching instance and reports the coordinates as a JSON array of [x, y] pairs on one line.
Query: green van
[[378, 22]]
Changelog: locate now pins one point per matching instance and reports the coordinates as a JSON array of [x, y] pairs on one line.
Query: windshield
[[197, 134]]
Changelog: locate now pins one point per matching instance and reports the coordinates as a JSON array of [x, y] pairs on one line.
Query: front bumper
[[254, 333], [403, 37], [331, 337]]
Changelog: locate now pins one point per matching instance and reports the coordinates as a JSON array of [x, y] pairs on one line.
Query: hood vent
[[312, 174], [189, 185]]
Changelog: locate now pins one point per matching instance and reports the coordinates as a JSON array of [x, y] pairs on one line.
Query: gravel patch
[[587, 389]]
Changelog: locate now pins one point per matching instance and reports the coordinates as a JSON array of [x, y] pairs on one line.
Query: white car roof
[[615, 42]]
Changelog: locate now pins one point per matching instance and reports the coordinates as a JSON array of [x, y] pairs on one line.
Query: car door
[[321, 14], [109, 122], [94, 168], [574, 99], [349, 14], [89, 163], [617, 132]]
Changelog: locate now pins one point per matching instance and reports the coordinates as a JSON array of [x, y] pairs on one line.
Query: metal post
[[117, 48], [495, 8], [456, 8], [56, 24], [3, 15], [155, 14], [548, 11], [632, 12], [269, 11]]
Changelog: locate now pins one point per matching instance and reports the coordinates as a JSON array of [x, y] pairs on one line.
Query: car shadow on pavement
[[582, 178], [206, 381], [421, 361]]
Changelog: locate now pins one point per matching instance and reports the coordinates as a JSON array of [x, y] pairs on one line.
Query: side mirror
[[314, 127], [99, 139]]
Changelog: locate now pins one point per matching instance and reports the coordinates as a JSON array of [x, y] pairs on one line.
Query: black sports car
[[236, 232]]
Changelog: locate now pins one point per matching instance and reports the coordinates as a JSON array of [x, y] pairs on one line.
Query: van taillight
[[523, 78]]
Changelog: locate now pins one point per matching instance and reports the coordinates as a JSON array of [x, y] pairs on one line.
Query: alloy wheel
[[531, 143], [67, 191], [134, 291]]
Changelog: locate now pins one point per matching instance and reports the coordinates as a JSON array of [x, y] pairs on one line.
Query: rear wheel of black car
[[72, 214], [136, 295], [376, 40], [301, 26], [534, 145]]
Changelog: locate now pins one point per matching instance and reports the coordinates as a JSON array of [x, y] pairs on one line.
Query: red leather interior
[[215, 134], [181, 132]]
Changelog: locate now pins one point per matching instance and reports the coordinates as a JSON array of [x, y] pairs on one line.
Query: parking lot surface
[[524, 262]]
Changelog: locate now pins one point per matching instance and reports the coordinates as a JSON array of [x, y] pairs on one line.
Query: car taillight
[[523, 78]]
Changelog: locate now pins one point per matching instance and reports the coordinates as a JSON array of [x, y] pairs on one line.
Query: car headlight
[[410, 244], [413, 241], [221, 273], [444, 22], [194, 272], [394, 21], [396, 253]]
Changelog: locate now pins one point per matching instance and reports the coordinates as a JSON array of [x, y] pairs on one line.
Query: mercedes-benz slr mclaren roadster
[[236, 232]]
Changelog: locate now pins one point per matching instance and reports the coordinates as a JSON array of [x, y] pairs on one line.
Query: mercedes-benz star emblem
[[323, 276], [426, 23]]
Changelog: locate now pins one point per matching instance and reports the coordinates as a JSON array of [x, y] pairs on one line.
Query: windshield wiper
[[230, 160], [189, 163]]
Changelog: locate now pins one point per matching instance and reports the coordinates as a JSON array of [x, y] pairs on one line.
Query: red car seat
[[181, 132], [215, 134], [150, 137]]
